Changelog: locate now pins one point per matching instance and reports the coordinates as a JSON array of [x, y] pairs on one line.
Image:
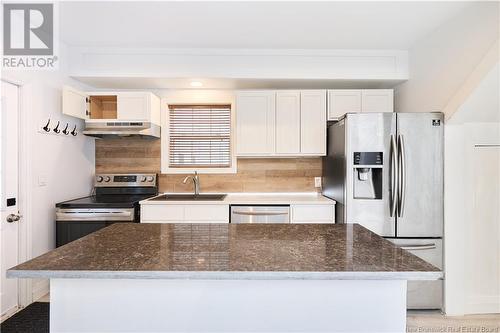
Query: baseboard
[[40, 289], [483, 304]]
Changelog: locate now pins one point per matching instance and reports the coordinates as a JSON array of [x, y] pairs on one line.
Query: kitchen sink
[[190, 197]]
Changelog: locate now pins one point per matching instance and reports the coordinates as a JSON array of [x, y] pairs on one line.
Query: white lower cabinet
[[312, 213], [207, 213], [175, 213]]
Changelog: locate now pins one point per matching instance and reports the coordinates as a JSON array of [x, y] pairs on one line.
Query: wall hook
[[46, 127], [56, 129], [65, 130], [74, 132]]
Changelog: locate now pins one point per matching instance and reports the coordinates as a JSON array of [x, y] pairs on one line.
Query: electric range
[[115, 200]]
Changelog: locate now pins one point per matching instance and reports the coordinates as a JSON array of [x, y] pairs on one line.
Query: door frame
[[25, 294]]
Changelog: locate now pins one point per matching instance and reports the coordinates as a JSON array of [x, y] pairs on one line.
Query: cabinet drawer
[[313, 214], [207, 212], [162, 213]]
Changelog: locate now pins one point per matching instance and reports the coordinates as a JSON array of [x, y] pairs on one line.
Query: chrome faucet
[[196, 182]]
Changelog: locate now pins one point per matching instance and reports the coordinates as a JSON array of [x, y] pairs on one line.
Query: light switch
[[42, 180], [317, 182]]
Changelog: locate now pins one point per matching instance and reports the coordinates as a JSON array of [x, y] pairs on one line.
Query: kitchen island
[[228, 278]]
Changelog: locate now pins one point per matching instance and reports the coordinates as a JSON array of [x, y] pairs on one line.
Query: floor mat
[[32, 319]]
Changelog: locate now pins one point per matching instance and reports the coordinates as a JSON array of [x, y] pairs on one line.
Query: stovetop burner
[[105, 201], [116, 191]]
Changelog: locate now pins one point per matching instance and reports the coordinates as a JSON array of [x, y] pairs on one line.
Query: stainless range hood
[[112, 129]]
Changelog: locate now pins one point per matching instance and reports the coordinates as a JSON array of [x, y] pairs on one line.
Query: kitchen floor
[[435, 321]]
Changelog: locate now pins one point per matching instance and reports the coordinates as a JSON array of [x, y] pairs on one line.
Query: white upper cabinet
[[255, 123], [74, 103], [377, 100], [281, 123], [288, 122], [342, 101], [313, 122], [138, 106], [133, 106]]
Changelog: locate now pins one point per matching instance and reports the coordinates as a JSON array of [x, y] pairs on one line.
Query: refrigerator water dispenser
[[367, 175]]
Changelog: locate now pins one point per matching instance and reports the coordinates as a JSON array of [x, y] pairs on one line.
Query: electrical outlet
[[317, 182]]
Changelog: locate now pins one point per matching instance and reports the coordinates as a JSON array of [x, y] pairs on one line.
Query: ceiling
[[273, 25]]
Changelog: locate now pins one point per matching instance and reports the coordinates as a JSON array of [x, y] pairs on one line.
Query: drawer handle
[[419, 247], [259, 213]]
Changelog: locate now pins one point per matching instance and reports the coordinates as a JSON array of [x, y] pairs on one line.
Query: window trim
[[165, 146]]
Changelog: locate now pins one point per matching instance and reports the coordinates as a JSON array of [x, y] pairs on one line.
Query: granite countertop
[[255, 199], [229, 251]]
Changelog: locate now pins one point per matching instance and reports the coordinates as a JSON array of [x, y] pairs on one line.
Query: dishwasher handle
[[262, 213]]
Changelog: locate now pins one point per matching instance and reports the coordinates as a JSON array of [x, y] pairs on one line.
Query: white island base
[[163, 305]]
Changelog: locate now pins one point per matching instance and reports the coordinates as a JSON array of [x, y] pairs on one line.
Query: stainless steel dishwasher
[[260, 214]]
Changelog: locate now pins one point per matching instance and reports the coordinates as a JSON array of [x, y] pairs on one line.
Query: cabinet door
[[342, 101], [313, 213], [74, 103], [133, 106], [313, 122], [377, 100], [255, 121], [162, 213], [155, 109], [288, 122], [203, 213]]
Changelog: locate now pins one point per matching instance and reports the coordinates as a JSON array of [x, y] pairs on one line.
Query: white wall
[[65, 164], [472, 197], [441, 61]]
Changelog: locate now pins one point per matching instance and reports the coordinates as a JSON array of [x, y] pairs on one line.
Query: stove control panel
[[125, 180]]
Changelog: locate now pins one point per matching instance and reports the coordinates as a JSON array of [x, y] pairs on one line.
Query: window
[[199, 138]]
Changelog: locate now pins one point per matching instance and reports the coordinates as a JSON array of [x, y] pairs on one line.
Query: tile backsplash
[[254, 174]]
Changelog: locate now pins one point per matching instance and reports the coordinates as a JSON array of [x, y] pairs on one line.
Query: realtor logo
[[28, 35]]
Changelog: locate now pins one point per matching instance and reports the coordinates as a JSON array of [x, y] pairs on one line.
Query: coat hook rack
[[46, 128], [65, 130], [74, 132], [56, 129]]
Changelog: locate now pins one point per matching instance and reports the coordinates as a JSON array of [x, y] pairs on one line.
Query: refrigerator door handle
[[392, 172], [401, 175], [417, 247]]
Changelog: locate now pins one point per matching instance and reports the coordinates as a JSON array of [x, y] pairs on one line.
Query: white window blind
[[199, 136]]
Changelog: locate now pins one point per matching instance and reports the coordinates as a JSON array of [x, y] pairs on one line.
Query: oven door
[[74, 223]]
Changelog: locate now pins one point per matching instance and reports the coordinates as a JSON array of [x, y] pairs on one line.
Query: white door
[[342, 101], [9, 193], [255, 123], [288, 122], [377, 100], [133, 106], [313, 122], [74, 103]]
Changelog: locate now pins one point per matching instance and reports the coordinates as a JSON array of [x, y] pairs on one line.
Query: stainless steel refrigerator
[[385, 171]]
